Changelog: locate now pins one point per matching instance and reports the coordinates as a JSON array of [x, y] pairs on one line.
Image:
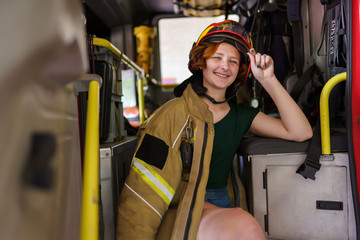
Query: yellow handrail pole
[[105, 43], [324, 112], [90, 196], [141, 100]]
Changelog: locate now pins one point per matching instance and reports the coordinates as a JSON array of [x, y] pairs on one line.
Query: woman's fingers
[[261, 61], [268, 60], [258, 60], [252, 56]]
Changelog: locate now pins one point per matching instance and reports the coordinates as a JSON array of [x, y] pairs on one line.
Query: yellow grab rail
[[324, 112], [90, 196], [105, 43], [141, 100]]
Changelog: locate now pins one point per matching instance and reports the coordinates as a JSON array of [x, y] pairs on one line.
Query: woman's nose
[[224, 65]]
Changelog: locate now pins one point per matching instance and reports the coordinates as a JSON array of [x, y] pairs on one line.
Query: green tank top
[[229, 132]]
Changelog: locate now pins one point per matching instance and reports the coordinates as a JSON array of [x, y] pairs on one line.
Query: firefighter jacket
[[160, 199]]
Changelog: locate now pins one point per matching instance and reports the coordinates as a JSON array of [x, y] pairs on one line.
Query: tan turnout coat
[[160, 200]]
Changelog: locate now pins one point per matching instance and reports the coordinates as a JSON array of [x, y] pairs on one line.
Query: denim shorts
[[219, 197]]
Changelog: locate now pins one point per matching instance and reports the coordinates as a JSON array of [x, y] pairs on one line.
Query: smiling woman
[[206, 105], [221, 70]]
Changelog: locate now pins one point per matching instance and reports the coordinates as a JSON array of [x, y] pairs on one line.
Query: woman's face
[[221, 68]]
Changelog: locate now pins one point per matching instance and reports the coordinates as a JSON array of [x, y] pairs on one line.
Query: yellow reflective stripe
[[153, 179], [193, 138]]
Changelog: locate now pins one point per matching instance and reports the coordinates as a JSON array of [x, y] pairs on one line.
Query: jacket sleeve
[[154, 175]]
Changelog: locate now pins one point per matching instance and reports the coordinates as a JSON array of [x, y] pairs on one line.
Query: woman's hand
[[262, 66]]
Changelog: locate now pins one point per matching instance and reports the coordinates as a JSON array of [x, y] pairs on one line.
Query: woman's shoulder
[[173, 105], [173, 108], [243, 110], [242, 107]]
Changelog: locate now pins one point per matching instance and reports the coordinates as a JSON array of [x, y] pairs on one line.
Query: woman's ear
[[242, 70]]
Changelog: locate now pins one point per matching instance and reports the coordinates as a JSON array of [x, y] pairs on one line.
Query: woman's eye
[[234, 62]]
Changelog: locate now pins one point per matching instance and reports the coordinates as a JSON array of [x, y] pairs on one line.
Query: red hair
[[200, 53]]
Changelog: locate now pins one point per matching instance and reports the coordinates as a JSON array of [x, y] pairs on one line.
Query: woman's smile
[[221, 75]]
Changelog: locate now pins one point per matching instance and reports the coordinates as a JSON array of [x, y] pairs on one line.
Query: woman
[[165, 200]]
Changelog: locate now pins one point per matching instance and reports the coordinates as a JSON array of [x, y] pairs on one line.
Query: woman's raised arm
[[293, 124]]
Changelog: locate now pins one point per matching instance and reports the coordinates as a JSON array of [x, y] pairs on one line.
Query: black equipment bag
[[334, 23], [105, 70]]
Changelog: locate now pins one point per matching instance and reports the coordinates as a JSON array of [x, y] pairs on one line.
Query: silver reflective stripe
[[153, 179], [182, 129], [143, 200]]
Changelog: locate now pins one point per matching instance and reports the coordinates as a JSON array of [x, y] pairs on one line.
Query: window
[[176, 37]]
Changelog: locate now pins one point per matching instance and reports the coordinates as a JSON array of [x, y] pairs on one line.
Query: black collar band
[[216, 102]]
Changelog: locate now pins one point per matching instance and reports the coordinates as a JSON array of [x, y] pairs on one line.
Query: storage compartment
[[115, 160], [288, 206]]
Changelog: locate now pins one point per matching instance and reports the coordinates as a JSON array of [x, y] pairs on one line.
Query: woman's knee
[[249, 225], [233, 223]]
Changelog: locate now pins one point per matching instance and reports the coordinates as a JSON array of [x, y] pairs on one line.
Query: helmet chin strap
[[216, 102]]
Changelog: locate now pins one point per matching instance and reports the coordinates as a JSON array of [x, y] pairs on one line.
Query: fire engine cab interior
[[78, 78]]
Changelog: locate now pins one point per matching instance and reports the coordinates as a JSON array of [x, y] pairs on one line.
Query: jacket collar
[[197, 107]]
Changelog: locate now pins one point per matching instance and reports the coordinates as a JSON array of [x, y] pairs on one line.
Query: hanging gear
[[201, 8]]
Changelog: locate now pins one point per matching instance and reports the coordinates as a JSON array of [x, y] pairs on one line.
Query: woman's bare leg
[[228, 223]]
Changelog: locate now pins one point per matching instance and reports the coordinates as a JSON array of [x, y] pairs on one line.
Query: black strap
[[294, 16], [312, 162], [298, 47], [301, 82], [216, 102]]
